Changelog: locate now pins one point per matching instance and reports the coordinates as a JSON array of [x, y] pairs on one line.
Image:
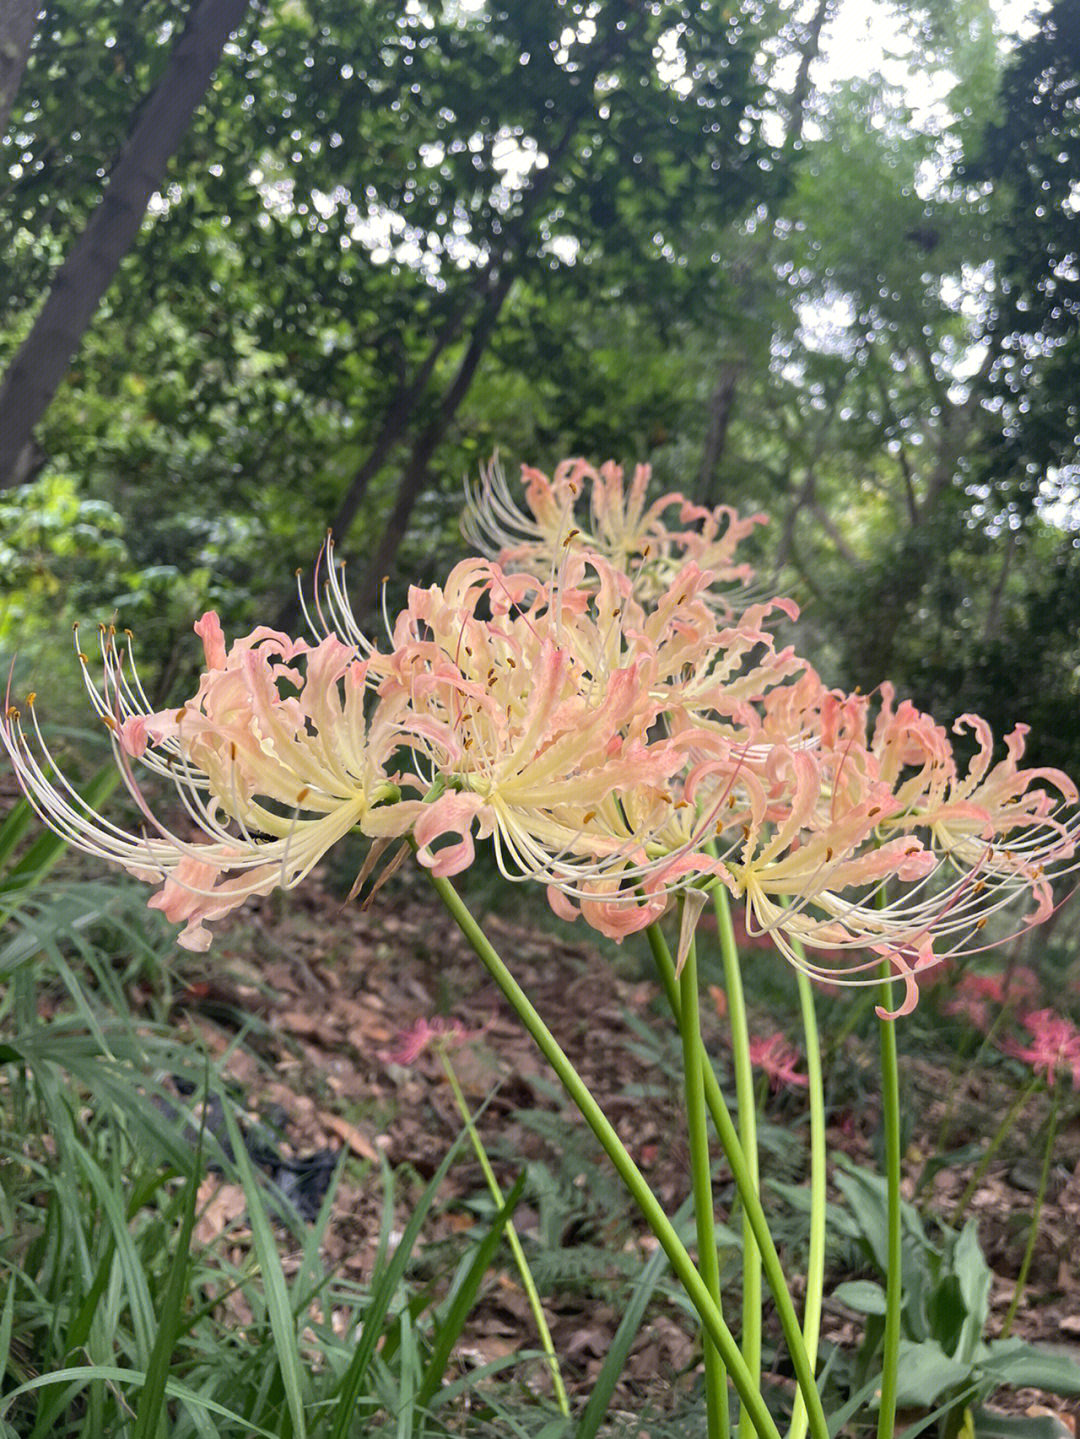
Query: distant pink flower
[[778, 1058], [978, 994], [424, 1034], [1055, 1046]]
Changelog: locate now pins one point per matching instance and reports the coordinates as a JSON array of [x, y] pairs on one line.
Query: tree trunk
[[18, 22], [721, 406], [394, 425], [415, 477], [160, 124]]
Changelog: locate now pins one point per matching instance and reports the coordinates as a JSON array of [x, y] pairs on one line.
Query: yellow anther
[[12, 712], [31, 697], [302, 796]]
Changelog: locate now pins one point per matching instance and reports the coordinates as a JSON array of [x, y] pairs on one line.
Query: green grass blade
[[152, 1398], [465, 1296], [14, 827], [6, 1320], [617, 1355], [82, 1375], [134, 1275], [383, 1292], [283, 1326], [47, 849]]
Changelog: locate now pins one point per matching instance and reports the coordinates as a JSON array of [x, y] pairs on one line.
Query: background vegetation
[[269, 267], [327, 259]]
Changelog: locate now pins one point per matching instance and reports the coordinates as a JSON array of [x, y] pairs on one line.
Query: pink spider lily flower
[[1055, 1046], [977, 994], [622, 526], [435, 1033], [778, 1058], [274, 759]]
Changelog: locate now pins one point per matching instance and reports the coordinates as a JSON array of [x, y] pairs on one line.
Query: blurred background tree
[[392, 238]]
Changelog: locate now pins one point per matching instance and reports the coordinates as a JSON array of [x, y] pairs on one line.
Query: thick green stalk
[[746, 1104], [1033, 1232], [512, 1238], [613, 1147], [729, 1142], [718, 1421], [890, 1106], [815, 1266]]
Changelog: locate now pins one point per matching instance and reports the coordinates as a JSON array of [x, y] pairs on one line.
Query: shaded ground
[[324, 991]]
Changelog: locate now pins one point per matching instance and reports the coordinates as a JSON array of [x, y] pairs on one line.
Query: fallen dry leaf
[[349, 1134]]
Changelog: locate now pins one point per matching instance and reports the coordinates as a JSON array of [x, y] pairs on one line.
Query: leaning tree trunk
[[415, 476], [18, 22], [161, 123]]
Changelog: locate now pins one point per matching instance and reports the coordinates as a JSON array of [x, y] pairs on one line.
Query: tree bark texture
[[415, 477], [162, 121], [18, 24]]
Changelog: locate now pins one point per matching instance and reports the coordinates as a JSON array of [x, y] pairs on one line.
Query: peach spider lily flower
[[832, 826], [1003, 830], [271, 780], [630, 533], [541, 736]]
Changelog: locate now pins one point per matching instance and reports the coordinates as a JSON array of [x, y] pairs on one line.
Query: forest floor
[[324, 989]]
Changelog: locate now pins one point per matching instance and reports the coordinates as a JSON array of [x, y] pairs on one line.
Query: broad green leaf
[[1011, 1361], [926, 1372], [862, 1295]]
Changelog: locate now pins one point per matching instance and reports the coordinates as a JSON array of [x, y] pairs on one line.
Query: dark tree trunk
[[721, 407], [161, 123], [414, 479], [18, 23]]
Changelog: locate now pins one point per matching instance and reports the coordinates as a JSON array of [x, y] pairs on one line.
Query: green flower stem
[[964, 1066], [992, 1148], [719, 1422], [815, 1266], [1033, 1232], [752, 1206], [614, 1148], [890, 1104], [746, 1104], [512, 1237]]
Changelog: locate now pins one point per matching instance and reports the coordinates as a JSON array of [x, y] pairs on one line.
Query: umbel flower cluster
[[599, 694]]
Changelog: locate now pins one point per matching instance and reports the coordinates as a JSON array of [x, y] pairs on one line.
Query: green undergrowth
[[122, 1313]]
